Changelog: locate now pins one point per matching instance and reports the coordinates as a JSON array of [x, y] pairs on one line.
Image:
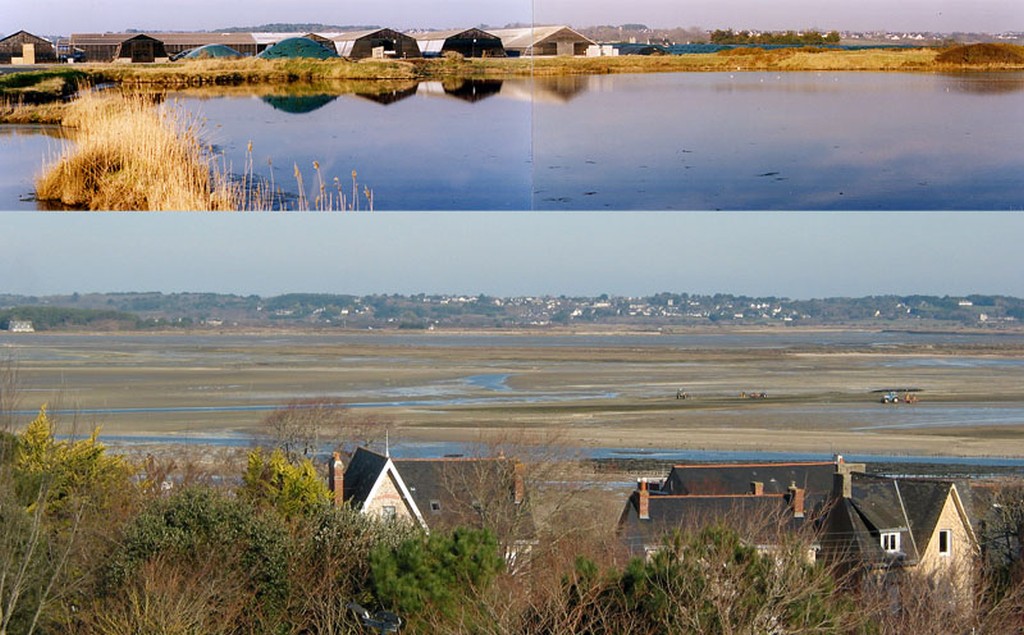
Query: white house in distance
[[20, 326]]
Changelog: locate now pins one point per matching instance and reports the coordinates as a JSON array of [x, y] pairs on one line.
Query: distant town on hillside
[[126, 311]]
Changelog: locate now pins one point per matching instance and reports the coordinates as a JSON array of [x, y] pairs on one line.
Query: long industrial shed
[[390, 43], [466, 42]]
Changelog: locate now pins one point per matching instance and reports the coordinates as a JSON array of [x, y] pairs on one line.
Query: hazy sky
[[792, 254], [52, 17]]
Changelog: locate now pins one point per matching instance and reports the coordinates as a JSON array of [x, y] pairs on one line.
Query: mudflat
[[607, 389]]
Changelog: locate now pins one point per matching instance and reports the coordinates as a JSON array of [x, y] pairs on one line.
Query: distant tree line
[[806, 38], [45, 318]]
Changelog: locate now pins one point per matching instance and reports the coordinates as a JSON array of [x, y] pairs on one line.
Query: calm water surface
[[23, 150], [732, 141]]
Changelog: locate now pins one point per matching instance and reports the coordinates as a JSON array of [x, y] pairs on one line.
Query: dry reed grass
[[131, 154], [752, 59]]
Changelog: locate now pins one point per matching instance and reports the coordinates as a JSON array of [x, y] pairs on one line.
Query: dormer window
[[890, 541]]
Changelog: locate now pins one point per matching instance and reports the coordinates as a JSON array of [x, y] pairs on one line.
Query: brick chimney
[[518, 482], [756, 488], [643, 500], [336, 478], [796, 500]]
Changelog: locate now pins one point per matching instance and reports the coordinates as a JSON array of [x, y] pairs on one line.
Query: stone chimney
[[756, 488], [842, 484], [336, 478], [518, 482], [643, 500], [796, 500]]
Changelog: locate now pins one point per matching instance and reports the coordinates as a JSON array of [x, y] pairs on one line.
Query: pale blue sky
[[793, 254], [67, 16]]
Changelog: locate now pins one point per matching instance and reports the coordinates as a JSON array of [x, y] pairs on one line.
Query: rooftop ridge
[[656, 496], [762, 464], [454, 458]]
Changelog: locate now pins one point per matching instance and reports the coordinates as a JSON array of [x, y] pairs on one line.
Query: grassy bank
[[37, 97], [255, 71]]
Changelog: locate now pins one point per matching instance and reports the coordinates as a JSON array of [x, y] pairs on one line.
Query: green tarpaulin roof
[[298, 47]]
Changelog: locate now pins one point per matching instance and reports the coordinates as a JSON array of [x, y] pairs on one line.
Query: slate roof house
[[880, 525], [439, 493], [759, 499]]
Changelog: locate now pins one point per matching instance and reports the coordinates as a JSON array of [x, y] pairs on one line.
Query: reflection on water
[[471, 90], [678, 141], [298, 105], [984, 83], [390, 95], [23, 151]]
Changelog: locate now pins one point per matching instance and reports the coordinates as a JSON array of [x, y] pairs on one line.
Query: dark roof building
[[650, 515], [28, 48], [814, 477], [110, 47], [386, 43], [758, 499], [465, 42]]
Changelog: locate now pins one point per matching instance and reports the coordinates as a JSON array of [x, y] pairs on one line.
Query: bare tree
[[305, 427], [32, 558], [10, 392]]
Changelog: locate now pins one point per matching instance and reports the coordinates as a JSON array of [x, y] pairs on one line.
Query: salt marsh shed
[[24, 48], [543, 40], [388, 42], [466, 42], [120, 47]]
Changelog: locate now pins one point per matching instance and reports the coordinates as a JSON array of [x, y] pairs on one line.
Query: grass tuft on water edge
[[130, 153]]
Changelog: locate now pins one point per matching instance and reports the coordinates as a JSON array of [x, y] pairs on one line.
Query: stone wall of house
[[388, 496], [958, 565]]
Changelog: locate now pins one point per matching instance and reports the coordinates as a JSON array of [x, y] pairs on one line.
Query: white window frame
[[948, 533], [890, 541], [389, 512]]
